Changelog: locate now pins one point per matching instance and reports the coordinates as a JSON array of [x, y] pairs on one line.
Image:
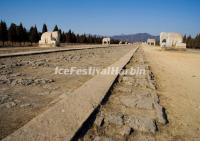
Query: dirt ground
[[178, 78], [28, 84]]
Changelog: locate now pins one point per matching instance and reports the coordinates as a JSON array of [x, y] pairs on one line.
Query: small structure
[[151, 42], [50, 39], [171, 39], [106, 41], [120, 42]]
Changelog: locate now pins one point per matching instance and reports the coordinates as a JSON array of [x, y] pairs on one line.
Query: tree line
[[19, 34], [192, 42]]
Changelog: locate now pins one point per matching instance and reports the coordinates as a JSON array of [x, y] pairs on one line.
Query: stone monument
[[50, 39]]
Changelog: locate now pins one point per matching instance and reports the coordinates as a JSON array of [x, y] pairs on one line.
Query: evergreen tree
[[33, 35], [90, 40], [69, 37], [63, 37], [55, 28], [12, 33], [197, 41], [60, 33], [44, 28], [20, 33], [3, 32], [73, 37], [25, 36], [85, 40], [78, 38]]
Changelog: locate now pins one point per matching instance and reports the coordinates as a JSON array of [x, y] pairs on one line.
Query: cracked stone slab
[[141, 124], [138, 102], [123, 89], [114, 118]]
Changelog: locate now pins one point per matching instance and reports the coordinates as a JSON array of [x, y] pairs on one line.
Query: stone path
[[132, 111]]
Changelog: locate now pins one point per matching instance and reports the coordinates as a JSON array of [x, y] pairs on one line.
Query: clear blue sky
[[106, 17]]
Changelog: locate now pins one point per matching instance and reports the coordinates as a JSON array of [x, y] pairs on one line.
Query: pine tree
[[68, 36], [3, 32], [73, 37], [25, 36], [44, 28], [33, 35], [55, 28], [78, 38], [12, 33], [63, 37], [20, 33], [197, 41], [85, 40]]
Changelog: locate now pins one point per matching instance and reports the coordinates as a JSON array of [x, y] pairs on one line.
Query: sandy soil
[[178, 78], [28, 85]]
